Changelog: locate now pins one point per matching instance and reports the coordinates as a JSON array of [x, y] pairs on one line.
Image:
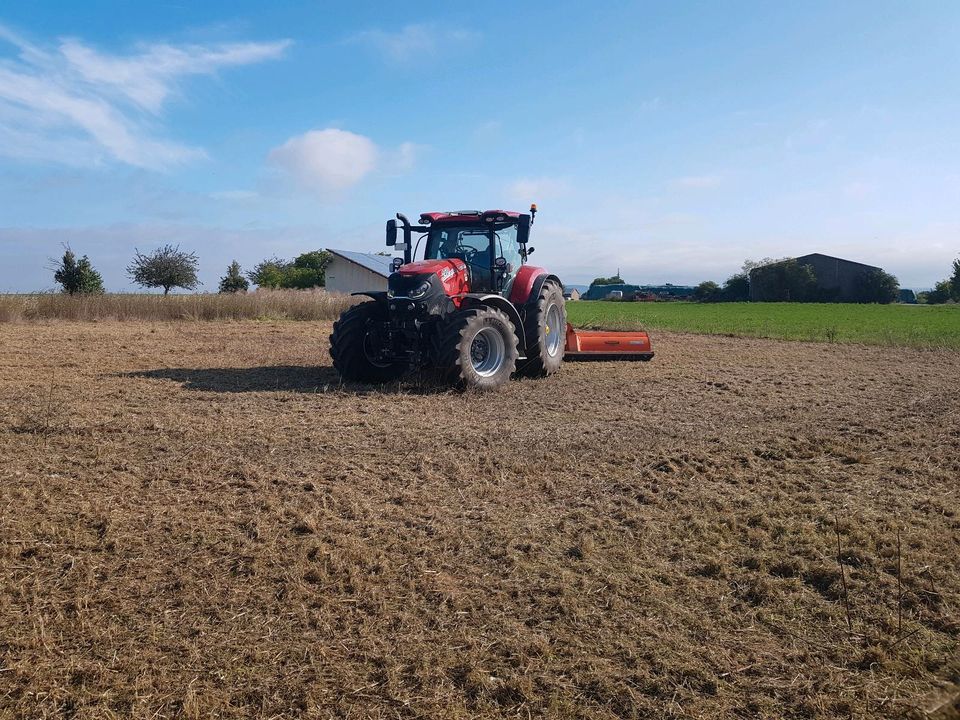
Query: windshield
[[471, 243]]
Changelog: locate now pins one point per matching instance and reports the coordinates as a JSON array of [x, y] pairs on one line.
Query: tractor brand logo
[[447, 274]]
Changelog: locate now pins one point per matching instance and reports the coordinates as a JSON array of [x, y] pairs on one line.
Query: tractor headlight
[[420, 290]]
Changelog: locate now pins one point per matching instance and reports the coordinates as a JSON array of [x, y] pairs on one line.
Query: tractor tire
[[546, 332], [349, 348], [477, 349]]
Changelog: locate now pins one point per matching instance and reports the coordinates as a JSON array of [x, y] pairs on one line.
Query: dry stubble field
[[195, 520]]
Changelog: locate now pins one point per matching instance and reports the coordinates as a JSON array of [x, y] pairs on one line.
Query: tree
[[707, 291], [876, 286], [305, 271], [168, 267], [941, 293], [955, 281], [749, 264], [269, 273], [737, 288], [77, 277], [234, 281], [784, 281], [612, 280], [309, 270]]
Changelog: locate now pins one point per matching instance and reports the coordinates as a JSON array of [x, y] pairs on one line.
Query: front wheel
[[353, 347], [546, 332], [477, 349]]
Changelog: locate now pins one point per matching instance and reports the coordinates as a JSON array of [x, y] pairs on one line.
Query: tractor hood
[[452, 273], [440, 267]]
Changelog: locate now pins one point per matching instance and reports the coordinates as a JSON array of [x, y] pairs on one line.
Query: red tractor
[[473, 308]]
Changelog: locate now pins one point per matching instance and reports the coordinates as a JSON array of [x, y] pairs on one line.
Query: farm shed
[[836, 278], [572, 294], [350, 271]]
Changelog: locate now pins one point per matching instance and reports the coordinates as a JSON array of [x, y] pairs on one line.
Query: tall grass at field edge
[[263, 304]]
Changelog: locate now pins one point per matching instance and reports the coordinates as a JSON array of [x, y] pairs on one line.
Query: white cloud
[[332, 160], [697, 182], [415, 41], [327, 160], [526, 190], [76, 105], [405, 156]]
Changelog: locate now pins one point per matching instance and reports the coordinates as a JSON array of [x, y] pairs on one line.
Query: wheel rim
[[553, 332], [487, 352]]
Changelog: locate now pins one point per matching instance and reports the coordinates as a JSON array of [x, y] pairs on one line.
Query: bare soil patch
[[197, 519]]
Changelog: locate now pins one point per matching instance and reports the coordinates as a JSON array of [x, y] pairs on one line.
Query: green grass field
[[895, 325]]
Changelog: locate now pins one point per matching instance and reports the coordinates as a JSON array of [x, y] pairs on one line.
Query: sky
[[669, 140]]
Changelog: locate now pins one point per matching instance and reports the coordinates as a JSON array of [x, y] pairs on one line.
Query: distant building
[[638, 292], [908, 296], [602, 292], [351, 272], [836, 278], [572, 294]]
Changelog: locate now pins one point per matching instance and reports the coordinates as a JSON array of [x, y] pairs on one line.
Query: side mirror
[[523, 229], [391, 232]]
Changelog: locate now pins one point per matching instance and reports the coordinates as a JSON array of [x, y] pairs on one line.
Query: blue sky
[[671, 140]]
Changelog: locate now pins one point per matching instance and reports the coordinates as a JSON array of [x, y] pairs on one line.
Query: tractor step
[[606, 345]]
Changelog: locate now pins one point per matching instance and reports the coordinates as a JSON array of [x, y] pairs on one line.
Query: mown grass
[[894, 325], [260, 305]]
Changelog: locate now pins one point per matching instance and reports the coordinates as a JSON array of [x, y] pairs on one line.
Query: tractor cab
[[491, 246]]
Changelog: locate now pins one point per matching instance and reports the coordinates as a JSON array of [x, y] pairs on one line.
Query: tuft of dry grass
[[199, 520], [259, 305]]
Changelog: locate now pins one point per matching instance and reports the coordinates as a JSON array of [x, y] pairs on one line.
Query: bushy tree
[[785, 281], [749, 264], [877, 286], [309, 270], [234, 281], [707, 291], [737, 288], [77, 277], [612, 280], [955, 281], [168, 267], [269, 273], [941, 293], [305, 271]]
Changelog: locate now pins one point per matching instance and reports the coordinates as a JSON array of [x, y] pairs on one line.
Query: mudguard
[[379, 295], [527, 283]]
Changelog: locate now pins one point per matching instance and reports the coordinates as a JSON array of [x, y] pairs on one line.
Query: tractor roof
[[461, 216]]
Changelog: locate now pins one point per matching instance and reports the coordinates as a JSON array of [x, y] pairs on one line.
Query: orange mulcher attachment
[[606, 345]]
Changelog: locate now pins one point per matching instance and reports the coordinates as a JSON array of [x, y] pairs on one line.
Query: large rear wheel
[[546, 331], [477, 348], [353, 346]]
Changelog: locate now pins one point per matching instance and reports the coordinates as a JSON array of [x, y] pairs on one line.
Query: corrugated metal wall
[[347, 277]]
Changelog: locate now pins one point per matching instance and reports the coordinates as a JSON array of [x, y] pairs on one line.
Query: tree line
[[169, 267], [786, 280], [944, 291]]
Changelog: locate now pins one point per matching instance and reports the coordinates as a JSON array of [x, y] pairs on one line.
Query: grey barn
[[834, 274]]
